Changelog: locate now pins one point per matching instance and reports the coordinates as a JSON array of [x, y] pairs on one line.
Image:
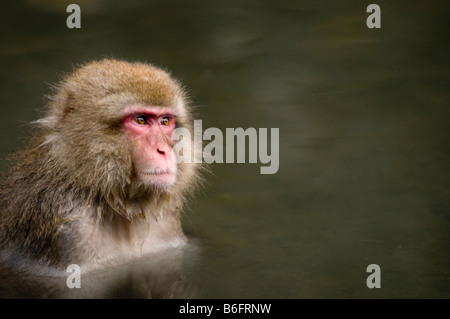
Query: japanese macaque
[[100, 181]]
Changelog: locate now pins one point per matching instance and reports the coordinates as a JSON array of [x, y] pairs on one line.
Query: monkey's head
[[108, 132]]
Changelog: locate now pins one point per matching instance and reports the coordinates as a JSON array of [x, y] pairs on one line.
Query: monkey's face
[[150, 130], [109, 130]]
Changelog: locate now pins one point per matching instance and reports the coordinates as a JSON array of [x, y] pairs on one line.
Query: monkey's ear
[[60, 107], [68, 106]]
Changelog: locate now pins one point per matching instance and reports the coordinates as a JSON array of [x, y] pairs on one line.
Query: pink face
[[150, 129]]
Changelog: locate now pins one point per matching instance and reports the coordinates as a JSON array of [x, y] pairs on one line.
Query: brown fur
[[70, 198]]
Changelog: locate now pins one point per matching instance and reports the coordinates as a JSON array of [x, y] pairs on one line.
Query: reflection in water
[[158, 276]]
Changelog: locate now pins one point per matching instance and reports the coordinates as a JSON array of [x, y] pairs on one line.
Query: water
[[363, 117]]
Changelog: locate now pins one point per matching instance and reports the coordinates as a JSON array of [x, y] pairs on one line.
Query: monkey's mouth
[[157, 172], [158, 177]]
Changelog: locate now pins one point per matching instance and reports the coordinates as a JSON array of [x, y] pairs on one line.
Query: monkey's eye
[[165, 121], [141, 120]]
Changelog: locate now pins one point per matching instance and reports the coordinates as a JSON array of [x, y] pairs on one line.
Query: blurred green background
[[364, 131]]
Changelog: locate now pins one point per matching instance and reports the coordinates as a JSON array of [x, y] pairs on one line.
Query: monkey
[[99, 181]]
